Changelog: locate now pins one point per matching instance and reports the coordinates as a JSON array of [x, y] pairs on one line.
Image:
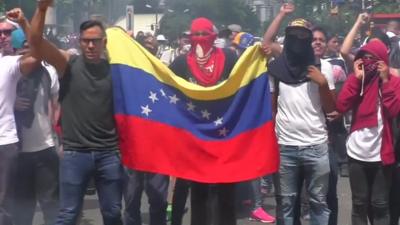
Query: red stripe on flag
[[159, 148]]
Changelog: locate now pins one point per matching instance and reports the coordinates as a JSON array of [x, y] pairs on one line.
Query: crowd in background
[[336, 101]]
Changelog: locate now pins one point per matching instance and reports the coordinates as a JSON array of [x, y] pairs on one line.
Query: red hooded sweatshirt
[[363, 106]]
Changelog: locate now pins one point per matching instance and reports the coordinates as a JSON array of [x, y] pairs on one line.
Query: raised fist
[[16, 15], [287, 8]]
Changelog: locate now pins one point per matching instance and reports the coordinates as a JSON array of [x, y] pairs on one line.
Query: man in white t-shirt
[[11, 69], [38, 163], [303, 93]]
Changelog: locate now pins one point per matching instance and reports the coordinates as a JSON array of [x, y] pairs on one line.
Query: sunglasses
[[95, 41], [6, 32]]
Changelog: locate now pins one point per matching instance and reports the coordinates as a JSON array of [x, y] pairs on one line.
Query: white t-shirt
[[300, 120], [365, 144], [9, 76], [40, 135]]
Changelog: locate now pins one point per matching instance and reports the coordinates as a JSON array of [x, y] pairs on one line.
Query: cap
[[235, 28], [236, 39], [299, 23], [161, 37], [18, 38], [246, 40]]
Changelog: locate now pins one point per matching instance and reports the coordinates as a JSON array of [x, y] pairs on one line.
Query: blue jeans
[[76, 170], [313, 163]]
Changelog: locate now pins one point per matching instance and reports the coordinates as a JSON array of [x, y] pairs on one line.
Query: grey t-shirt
[[87, 115]]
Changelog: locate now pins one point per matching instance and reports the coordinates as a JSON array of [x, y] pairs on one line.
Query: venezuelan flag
[[166, 125]]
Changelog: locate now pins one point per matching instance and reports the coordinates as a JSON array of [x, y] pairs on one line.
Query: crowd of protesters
[[335, 100]]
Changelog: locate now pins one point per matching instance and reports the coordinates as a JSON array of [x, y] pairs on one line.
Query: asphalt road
[[91, 213]]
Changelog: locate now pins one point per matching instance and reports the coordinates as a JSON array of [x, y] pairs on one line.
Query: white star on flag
[[219, 121], [153, 97], [146, 110], [205, 114], [163, 93], [173, 99], [190, 106], [223, 132]]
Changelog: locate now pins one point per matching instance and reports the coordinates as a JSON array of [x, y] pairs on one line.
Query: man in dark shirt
[[89, 133]]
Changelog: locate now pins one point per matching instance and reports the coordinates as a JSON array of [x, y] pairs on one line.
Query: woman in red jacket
[[373, 94]]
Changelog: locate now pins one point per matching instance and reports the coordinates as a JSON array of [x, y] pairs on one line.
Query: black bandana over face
[[291, 66]]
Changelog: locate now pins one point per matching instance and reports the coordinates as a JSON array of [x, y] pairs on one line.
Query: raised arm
[[42, 48], [272, 31], [352, 89], [345, 50], [27, 63]]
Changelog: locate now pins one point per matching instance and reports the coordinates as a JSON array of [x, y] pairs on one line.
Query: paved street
[[91, 214]]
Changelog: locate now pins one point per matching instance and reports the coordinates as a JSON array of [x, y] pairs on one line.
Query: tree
[[319, 12], [222, 12], [27, 6]]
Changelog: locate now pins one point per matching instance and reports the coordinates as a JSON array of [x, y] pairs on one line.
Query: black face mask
[[291, 66], [296, 45]]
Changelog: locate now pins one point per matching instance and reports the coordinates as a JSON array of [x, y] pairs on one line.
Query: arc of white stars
[[153, 97], [146, 110], [223, 132], [205, 114], [173, 99], [190, 106], [219, 121]]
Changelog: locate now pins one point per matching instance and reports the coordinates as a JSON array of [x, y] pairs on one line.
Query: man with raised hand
[[89, 134], [304, 92], [11, 69]]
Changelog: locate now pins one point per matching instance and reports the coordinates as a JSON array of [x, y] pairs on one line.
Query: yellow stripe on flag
[[123, 50]]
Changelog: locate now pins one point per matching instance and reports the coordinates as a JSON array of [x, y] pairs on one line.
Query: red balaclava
[[205, 61], [379, 50], [202, 25]]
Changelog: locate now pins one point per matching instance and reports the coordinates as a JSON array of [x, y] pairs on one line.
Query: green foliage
[[386, 7], [27, 5], [221, 12], [319, 13]]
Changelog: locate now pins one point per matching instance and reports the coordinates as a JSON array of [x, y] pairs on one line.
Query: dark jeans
[[76, 170], [249, 190], [213, 204], [37, 181], [8, 162], [370, 186], [156, 188], [338, 144], [256, 193], [181, 192], [332, 198], [395, 197]]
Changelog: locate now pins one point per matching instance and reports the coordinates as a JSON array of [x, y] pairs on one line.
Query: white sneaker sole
[[262, 221]]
